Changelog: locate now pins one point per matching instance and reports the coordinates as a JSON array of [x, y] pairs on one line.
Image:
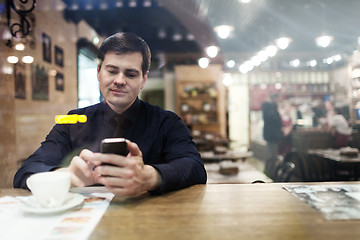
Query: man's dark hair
[[126, 42]]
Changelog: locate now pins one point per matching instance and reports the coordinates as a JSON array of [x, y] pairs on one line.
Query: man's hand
[[82, 169], [129, 177]]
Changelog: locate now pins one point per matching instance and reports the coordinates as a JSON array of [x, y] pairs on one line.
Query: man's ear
[[144, 80], [98, 72]]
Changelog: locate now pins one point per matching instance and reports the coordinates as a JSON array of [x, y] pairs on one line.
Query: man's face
[[121, 79]]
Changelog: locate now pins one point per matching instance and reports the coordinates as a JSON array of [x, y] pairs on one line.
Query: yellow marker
[[70, 119], [82, 118]]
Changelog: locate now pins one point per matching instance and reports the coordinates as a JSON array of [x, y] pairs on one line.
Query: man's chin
[[118, 104]]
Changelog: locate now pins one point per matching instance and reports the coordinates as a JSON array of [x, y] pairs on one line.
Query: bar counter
[[220, 211]]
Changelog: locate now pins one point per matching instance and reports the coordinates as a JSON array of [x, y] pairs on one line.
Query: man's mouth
[[116, 90]]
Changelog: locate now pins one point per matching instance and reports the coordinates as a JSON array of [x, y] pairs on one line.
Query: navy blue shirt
[[162, 137]]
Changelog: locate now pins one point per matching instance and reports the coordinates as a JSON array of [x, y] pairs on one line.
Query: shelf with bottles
[[355, 90], [200, 101], [306, 89], [200, 114], [199, 91]]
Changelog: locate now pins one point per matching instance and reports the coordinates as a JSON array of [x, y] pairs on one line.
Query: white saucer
[[30, 205]]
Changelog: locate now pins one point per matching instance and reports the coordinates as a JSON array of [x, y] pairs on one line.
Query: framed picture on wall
[[39, 83], [46, 42], [59, 56], [19, 75], [59, 81]]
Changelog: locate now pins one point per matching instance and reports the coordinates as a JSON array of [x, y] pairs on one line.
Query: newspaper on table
[[334, 202], [76, 223]]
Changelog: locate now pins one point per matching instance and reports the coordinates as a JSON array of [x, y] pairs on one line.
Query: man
[[272, 131], [162, 156]]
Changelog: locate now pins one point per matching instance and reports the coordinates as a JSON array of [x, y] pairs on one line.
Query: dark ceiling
[[257, 24], [157, 25]]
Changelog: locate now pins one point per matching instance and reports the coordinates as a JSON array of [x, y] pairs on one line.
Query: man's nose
[[120, 79]]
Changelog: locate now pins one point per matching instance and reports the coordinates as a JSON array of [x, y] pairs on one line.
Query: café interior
[[214, 63]]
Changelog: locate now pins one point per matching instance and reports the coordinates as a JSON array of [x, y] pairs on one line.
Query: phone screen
[[115, 146]]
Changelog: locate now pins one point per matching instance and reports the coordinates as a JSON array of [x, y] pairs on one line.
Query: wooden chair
[[272, 166], [284, 172]]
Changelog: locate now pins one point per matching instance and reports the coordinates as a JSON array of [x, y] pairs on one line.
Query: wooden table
[[219, 211], [246, 173], [334, 155], [332, 164], [211, 157]]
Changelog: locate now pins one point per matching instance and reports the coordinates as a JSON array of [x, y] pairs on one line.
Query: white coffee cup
[[50, 189]]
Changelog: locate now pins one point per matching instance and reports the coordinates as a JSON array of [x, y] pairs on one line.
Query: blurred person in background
[[272, 131], [337, 125], [287, 116]]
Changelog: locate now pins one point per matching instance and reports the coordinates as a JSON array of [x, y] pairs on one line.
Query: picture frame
[[59, 82], [39, 83], [20, 80], [59, 56], [46, 43]]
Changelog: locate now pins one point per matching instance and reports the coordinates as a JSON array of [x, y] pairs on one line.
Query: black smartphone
[[115, 146]]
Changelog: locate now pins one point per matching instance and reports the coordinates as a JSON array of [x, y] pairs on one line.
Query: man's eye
[[112, 72], [131, 75]]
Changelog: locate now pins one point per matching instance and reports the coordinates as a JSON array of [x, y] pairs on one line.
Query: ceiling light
[[95, 40], [12, 59], [271, 50], [324, 41], [311, 63], [223, 31], [230, 64], [27, 59], [329, 60], [190, 37], [243, 69], [295, 63], [20, 46], [246, 67], [147, 3], [283, 42], [89, 6], [337, 57], [103, 5], [244, 1], [132, 3], [177, 37], [204, 62], [263, 55], [256, 60], [162, 33], [118, 3], [75, 6], [212, 51]]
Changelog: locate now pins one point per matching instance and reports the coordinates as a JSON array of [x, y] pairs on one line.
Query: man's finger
[[133, 148]]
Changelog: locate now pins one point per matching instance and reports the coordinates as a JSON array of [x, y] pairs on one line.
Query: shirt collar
[[130, 114]]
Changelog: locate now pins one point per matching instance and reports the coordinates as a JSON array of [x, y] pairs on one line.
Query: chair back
[[284, 172]]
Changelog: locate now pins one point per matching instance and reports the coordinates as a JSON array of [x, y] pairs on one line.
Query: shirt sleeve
[[183, 165], [48, 156]]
